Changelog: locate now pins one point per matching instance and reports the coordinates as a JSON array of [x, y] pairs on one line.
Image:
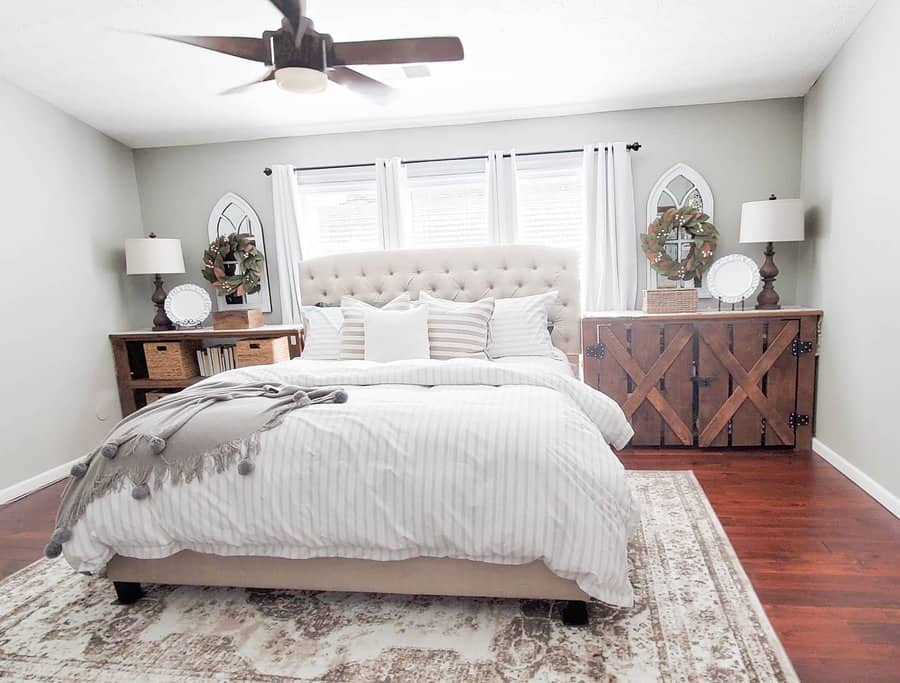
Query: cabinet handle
[[702, 381]]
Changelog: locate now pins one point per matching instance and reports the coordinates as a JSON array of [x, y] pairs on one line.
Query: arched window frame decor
[[699, 183], [232, 213]]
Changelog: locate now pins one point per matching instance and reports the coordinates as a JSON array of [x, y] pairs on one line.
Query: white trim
[[38, 481], [858, 477]]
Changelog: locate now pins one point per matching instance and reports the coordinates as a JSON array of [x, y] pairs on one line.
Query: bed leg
[[574, 613], [127, 592]]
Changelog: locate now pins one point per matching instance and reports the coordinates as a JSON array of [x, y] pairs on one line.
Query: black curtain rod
[[631, 147]]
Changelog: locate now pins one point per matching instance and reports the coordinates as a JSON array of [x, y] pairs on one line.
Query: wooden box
[[171, 359], [262, 351], [237, 320], [673, 300]]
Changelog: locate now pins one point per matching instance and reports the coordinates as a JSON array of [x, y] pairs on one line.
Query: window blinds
[[448, 205]]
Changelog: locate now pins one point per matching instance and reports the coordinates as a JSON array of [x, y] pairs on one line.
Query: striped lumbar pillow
[[456, 329], [353, 331]]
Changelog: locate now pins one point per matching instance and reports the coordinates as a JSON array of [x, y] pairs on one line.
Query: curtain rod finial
[[634, 146], [267, 170]]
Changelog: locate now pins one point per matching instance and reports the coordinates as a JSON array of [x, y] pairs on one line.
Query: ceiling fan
[[302, 60]]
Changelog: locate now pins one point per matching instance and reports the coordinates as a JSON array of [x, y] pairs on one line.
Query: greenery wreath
[[222, 255], [696, 224]]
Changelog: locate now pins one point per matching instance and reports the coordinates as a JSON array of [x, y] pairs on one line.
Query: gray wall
[[851, 144], [745, 150], [69, 199]]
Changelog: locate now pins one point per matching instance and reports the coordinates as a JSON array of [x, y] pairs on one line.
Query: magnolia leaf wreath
[[239, 249], [699, 257]]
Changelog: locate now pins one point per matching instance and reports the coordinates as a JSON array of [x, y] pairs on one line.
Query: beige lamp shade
[[772, 220], [153, 255]]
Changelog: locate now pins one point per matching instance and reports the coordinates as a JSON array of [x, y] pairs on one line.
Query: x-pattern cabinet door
[[747, 382], [647, 369]]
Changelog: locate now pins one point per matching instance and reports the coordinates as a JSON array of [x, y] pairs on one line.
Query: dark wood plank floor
[[823, 556]]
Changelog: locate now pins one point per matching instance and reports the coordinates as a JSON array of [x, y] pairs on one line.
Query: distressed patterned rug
[[696, 619]]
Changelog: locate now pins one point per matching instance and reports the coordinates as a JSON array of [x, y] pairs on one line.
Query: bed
[[596, 494]]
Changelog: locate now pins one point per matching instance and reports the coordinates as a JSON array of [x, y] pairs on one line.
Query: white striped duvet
[[462, 458]]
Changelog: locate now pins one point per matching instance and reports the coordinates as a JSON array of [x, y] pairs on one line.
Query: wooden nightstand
[[708, 379], [131, 362]]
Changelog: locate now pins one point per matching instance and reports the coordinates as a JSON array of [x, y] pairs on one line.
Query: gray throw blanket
[[207, 427]]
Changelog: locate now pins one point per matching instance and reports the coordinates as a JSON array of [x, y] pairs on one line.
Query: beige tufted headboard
[[461, 274]]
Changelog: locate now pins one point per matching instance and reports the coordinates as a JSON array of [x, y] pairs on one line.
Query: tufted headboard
[[460, 274]]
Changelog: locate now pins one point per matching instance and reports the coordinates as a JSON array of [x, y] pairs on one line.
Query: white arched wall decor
[[231, 214], [680, 186]]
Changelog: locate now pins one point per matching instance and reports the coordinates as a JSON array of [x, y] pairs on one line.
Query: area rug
[[696, 618]]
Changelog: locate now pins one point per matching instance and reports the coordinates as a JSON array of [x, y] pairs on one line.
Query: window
[[338, 211], [550, 196], [442, 204], [448, 203]]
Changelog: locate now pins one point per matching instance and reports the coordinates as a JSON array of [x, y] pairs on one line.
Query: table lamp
[[772, 220], [155, 256]]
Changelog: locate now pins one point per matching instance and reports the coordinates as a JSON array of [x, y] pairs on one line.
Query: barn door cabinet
[[709, 379]]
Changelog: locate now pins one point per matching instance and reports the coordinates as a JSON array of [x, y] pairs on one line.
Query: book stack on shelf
[[215, 359]]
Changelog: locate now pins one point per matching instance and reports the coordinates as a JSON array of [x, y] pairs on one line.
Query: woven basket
[[261, 351], [670, 300], [171, 360]]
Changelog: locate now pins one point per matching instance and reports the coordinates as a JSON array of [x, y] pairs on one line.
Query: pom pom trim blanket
[[204, 428]]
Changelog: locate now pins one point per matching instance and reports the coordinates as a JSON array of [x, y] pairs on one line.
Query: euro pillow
[[322, 332], [353, 331], [519, 326], [457, 329], [396, 335]]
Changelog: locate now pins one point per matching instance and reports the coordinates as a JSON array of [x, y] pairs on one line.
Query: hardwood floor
[[823, 556], [25, 526]]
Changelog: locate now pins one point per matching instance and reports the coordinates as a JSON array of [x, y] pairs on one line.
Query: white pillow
[[353, 330], [396, 335], [322, 332], [519, 326]]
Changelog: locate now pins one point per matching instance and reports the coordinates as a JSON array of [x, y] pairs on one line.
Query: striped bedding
[[461, 458]]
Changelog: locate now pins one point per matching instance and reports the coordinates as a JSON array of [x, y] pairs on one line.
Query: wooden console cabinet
[[132, 374], [709, 379]]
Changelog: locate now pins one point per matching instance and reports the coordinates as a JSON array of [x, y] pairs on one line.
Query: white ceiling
[[523, 58]]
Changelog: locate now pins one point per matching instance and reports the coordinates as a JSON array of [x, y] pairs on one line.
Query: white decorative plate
[[732, 278], [188, 305]]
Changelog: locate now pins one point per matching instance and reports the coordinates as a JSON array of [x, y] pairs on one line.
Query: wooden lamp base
[[768, 298], [160, 320]]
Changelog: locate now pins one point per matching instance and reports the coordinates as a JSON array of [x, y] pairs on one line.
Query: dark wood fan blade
[[362, 84], [255, 49], [268, 76], [398, 51], [292, 10]]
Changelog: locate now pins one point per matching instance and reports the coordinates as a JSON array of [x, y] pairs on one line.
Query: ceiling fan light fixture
[[300, 79]]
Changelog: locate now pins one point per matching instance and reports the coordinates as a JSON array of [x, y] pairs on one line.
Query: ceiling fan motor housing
[[313, 52]]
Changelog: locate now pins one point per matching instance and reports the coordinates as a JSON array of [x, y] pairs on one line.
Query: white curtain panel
[[286, 201], [610, 260], [392, 198], [502, 197]]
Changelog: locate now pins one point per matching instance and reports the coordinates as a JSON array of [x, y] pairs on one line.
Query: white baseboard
[[858, 477], [38, 481]]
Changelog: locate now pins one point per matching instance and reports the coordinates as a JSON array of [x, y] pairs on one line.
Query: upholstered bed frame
[[465, 274]]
